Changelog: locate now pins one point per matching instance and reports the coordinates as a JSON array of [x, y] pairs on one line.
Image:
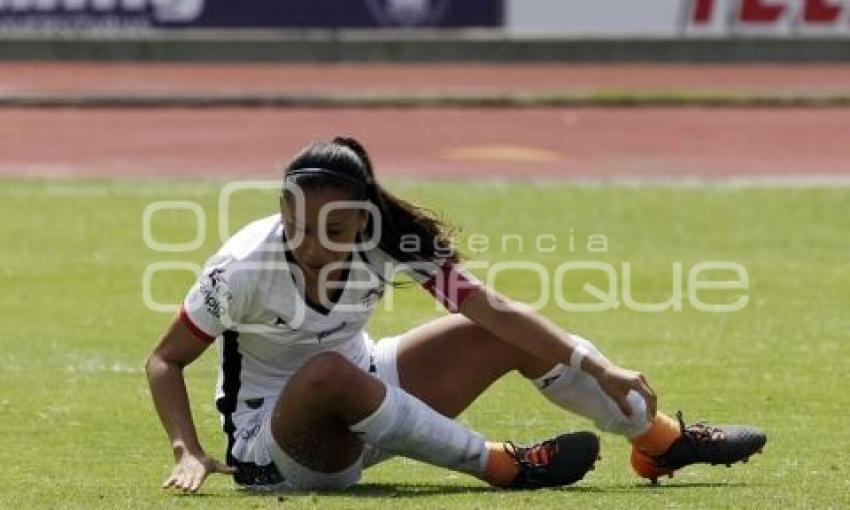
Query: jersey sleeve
[[212, 305], [447, 281]]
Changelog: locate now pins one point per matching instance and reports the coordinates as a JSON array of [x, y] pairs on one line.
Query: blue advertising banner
[[52, 15]]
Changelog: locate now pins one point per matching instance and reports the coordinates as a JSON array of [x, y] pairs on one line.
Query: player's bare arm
[[178, 348], [527, 329]]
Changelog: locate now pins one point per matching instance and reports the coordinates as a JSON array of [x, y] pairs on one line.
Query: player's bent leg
[[660, 445], [310, 442], [444, 363], [450, 361], [331, 408]]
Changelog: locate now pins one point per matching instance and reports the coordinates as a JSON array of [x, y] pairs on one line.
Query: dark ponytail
[[409, 233]]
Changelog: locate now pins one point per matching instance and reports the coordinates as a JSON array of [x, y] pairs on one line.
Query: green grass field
[[79, 430]]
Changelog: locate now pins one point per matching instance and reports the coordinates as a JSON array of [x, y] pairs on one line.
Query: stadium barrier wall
[[465, 46]]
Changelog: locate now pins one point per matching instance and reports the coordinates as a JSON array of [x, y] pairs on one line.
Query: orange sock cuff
[[661, 434], [501, 466]]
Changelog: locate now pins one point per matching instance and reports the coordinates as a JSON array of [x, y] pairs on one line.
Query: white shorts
[[274, 469]]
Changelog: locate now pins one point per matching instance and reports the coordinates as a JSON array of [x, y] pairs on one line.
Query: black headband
[[361, 187]]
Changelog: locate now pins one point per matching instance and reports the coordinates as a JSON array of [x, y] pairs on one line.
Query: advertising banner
[[782, 18], [53, 15], [598, 17], [767, 17]]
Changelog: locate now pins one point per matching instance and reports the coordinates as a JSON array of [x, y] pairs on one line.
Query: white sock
[[404, 425], [579, 393]]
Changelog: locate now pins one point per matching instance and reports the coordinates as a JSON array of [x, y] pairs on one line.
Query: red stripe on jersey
[[450, 286], [198, 332]]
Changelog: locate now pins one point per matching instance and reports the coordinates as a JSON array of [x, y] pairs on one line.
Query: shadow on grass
[[413, 490], [643, 487]]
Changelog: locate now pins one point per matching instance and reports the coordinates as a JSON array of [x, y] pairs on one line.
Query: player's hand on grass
[[617, 382], [191, 471]]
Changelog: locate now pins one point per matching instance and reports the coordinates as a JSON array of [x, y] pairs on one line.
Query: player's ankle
[[662, 433]]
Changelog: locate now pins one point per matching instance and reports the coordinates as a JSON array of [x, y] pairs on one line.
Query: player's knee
[[328, 373]]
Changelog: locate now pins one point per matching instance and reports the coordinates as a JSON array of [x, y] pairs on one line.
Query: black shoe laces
[[537, 456], [699, 432]]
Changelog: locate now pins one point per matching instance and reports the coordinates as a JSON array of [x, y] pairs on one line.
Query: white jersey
[[247, 295]]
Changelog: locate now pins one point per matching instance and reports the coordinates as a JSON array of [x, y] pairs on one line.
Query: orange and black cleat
[[701, 444], [561, 461]]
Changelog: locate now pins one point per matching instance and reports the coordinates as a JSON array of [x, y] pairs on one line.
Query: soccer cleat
[[556, 462], [701, 444]]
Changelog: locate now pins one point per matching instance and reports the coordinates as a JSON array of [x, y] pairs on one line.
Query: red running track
[[450, 143], [100, 77]]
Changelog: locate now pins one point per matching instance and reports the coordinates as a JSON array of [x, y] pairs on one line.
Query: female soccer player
[[308, 400]]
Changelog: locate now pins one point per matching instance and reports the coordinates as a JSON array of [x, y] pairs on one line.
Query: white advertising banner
[[786, 18], [580, 17]]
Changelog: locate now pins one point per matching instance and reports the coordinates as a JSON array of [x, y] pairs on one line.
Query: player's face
[[341, 227]]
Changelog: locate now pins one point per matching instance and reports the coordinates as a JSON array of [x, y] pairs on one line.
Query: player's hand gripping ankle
[[617, 382]]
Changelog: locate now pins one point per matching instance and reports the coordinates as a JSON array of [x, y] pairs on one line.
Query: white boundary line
[[803, 181], [411, 178]]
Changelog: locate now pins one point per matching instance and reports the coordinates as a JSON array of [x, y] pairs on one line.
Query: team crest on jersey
[[408, 13], [215, 292]]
